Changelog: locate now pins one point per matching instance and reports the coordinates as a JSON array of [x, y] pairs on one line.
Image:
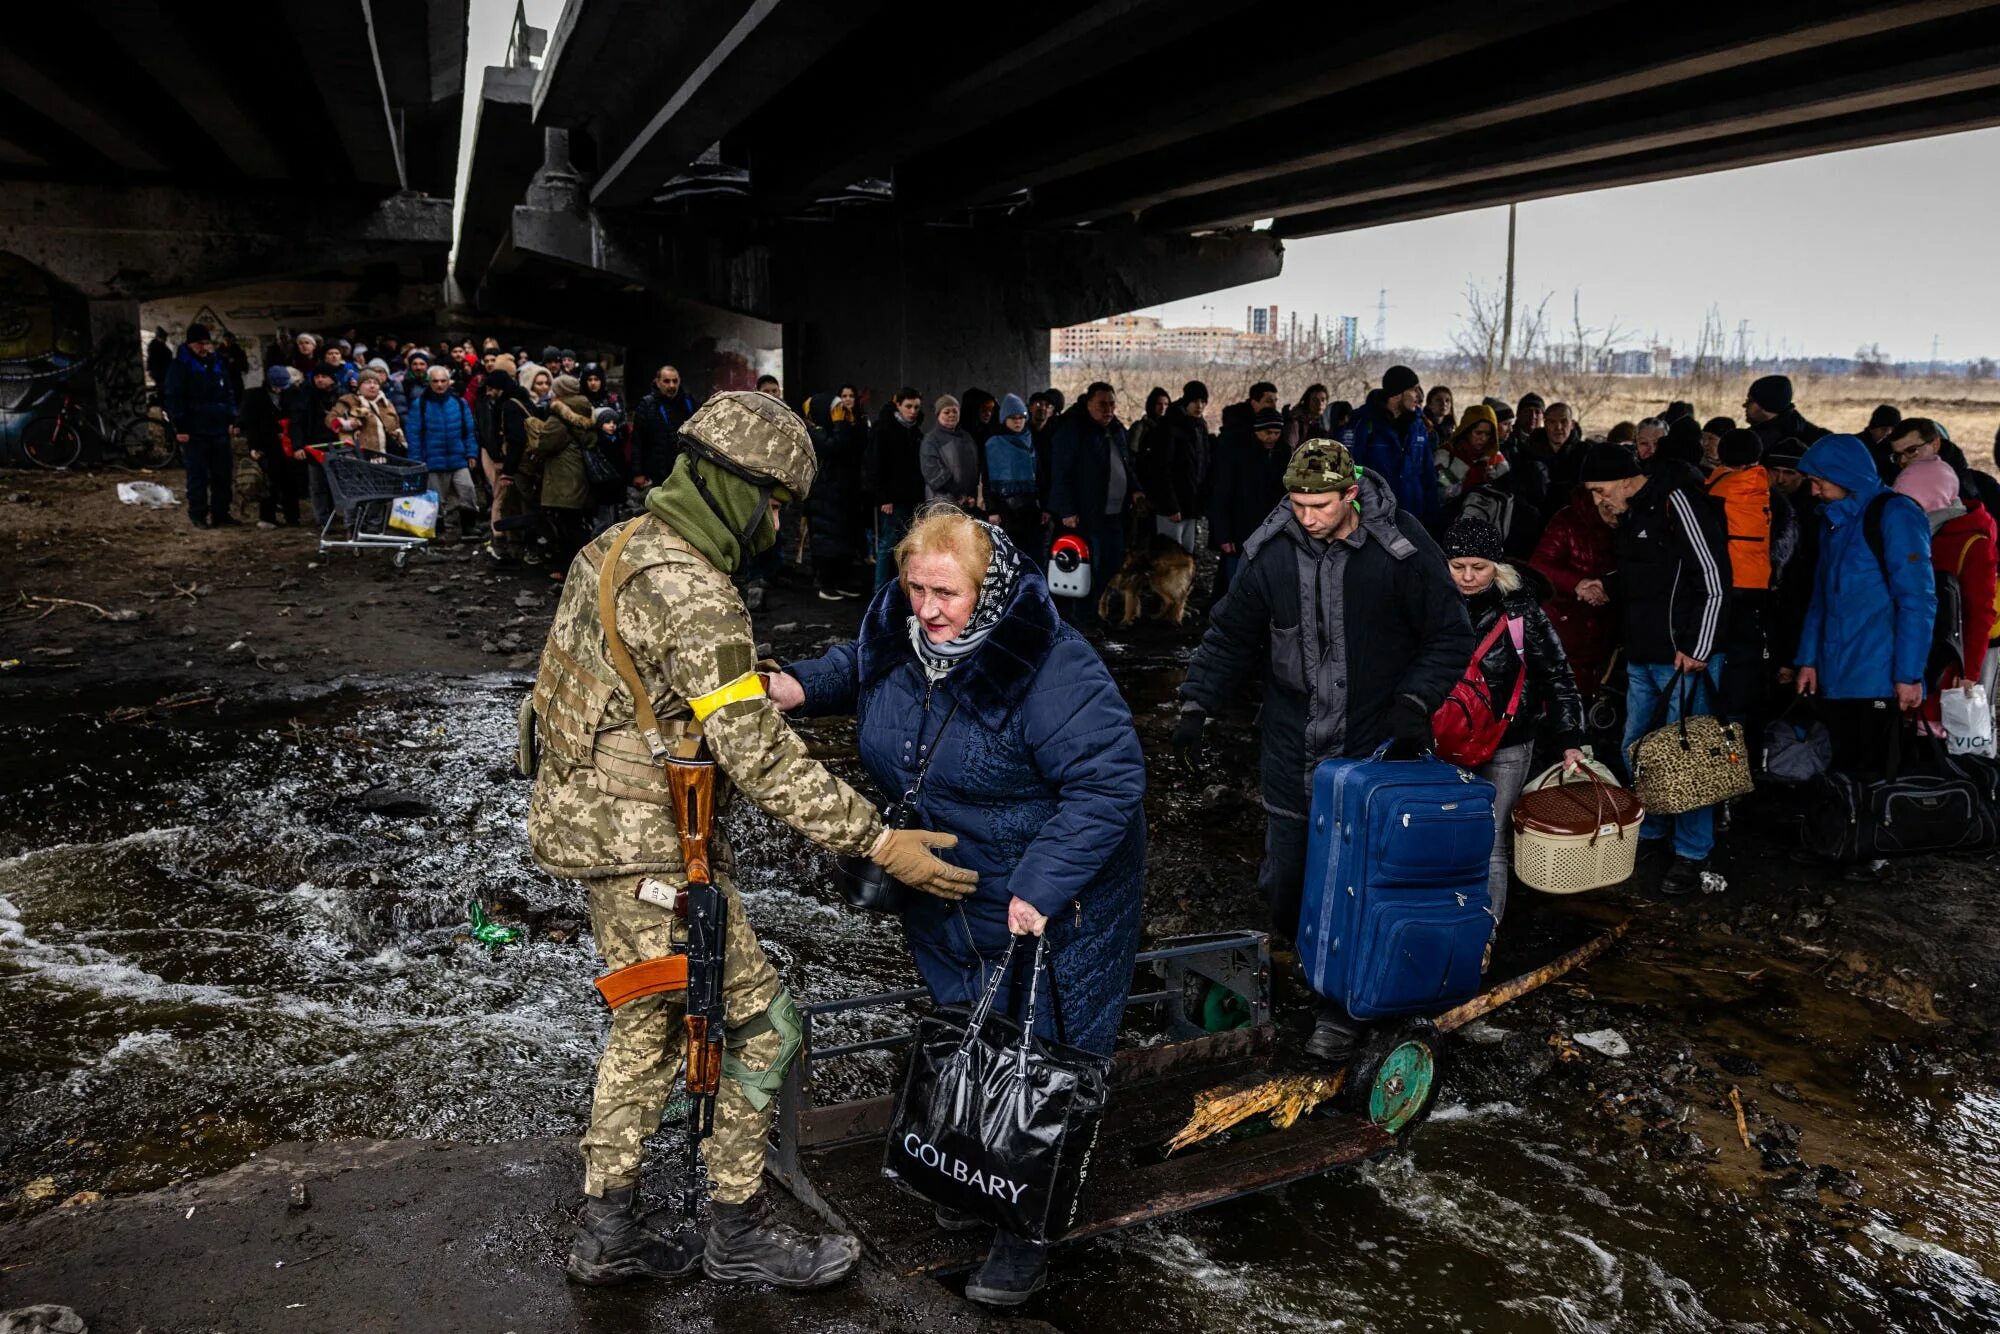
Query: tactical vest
[[601, 805], [1746, 502]]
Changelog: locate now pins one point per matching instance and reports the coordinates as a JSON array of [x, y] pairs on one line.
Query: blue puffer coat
[[437, 428], [1862, 632], [1404, 456], [198, 395], [1041, 777]]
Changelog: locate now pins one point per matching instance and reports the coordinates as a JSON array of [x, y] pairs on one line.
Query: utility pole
[[1382, 319], [1507, 315], [1934, 350]]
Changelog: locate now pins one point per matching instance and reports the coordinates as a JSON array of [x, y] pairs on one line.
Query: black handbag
[[1855, 818], [863, 883], [996, 1122], [600, 471], [1796, 750]]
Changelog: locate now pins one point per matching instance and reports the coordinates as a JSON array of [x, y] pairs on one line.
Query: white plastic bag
[[150, 494], [415, 515], [1968, 720]]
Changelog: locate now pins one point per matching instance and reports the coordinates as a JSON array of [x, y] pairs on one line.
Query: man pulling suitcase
[[1345, 606]]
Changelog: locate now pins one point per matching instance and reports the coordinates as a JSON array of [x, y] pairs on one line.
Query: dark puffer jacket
[[1551, 688], [1338, 631], [198, 395], [1039, 774]]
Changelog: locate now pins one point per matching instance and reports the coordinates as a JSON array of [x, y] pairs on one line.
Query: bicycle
[[57, 440]]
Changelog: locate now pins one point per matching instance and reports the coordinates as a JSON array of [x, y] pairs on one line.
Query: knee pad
[[760, 1085]]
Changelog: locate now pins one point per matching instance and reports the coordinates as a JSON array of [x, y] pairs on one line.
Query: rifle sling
[[688, 745]]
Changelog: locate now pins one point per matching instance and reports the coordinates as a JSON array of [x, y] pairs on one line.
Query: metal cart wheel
[[401, 559], [1393, 1080]]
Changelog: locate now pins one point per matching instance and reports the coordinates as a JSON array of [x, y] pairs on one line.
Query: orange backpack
[[1746, 501]]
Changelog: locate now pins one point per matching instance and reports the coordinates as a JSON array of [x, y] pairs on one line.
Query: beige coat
[[368, 425]]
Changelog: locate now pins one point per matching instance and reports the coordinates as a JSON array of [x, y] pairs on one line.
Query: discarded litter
[[491, 934], [1605, 1042], [1712, 883], [150, 494]]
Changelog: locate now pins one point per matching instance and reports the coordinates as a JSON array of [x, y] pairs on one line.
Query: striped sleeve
[[1714, 585]]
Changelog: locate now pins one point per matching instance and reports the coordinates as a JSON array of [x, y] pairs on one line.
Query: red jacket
[[1577, 546], [1968, 547]]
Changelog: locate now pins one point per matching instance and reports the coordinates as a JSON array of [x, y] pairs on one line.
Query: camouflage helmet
[[755, 435], [1321, 465]]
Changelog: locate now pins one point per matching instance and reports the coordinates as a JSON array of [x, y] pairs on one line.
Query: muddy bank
[[358, 1236]]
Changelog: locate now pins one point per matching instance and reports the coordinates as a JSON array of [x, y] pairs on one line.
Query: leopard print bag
[[1696, 761]]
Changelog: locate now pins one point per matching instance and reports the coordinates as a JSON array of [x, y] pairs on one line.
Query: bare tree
[[1872, 363], [1576, 370]]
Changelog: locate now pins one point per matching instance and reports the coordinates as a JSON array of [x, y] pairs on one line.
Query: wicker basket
[[1582, 833]]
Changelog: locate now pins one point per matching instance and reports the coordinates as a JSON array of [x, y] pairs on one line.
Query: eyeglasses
[[1907, 453]]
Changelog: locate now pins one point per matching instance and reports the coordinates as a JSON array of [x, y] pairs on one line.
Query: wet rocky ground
[[238, 834]]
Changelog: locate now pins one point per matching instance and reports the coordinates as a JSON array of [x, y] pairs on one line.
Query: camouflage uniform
[[599, 813]]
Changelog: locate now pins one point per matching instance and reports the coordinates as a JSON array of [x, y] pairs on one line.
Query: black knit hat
[[1270, 419], [197, 333], [1473, 538], [1787, 453], [1609, 463], [1773, 393], [1740, 448], [1399, 379], [1531, 401], [1884, 417], [1682, 442], [1718, 426]]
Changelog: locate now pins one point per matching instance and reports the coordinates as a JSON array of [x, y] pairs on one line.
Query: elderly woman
[[1034, 765], [1493, 589], [366, 418]]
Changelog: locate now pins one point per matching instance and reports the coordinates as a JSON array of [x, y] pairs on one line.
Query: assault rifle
[[692, 784]]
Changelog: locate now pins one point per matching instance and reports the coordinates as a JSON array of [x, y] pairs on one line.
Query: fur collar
[[992, 682]]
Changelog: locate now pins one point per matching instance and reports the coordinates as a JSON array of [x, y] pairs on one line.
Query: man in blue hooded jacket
[[1390, 439], [201, 400], [1867, 630]]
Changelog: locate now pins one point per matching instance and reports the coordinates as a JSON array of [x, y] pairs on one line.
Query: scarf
[[996, 593], [717, 536], [1939, 518]]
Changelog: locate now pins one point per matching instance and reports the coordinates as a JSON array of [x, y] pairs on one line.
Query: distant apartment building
[[1146, 337]]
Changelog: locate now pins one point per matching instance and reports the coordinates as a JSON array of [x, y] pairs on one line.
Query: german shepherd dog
[[1161, 571]]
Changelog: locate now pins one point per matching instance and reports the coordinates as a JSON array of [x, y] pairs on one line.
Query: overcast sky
[[1890, 245]]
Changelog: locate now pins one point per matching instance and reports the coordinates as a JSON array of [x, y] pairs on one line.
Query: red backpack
[[1467, 729]]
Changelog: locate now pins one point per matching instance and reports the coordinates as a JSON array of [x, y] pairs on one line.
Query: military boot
[[746, 1243], [615, 1245]]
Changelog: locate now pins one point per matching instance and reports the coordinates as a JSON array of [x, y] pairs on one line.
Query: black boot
[[1015, 1270], [746, 1243], [951, 1220], [1334, 1038], [614, 1245]]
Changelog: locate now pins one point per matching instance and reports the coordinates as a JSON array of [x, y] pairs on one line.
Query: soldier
[[599, 814]]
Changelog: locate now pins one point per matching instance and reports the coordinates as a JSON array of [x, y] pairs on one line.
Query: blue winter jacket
[[1040, 775], [1865, 633], [1404, 456], [1080, 467], [198, 395], [438, 430]]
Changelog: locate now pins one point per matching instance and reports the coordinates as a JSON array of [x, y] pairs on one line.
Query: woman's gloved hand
[[1185, 743], [907, 855], [1410, 734]]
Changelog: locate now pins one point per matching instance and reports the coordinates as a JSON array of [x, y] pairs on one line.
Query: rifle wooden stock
[[692, 785]]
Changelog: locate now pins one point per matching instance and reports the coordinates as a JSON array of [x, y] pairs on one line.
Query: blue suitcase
[[1396, 914]]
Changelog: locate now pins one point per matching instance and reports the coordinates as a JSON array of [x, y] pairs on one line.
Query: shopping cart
[[364, 485]]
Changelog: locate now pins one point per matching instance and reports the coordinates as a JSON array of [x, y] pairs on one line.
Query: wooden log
[[1527, 982]]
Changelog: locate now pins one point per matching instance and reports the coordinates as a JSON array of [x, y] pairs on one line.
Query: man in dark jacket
[[1172, 470], [1882, 424], [656, 428], [1091, 486], [1249, 480], [1670, 589], [895, 476], [1042, 421], [1391, 438], [1235, 430], [1370, 657], [512, 506], [202, 406], [1769, 410], [272, 426]]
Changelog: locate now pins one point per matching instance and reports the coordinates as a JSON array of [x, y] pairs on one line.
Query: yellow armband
[[747, 686]]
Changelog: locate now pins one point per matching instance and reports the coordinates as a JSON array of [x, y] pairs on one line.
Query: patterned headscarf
[[996, 593]]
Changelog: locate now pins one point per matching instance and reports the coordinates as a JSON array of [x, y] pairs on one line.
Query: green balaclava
[[716, 530]]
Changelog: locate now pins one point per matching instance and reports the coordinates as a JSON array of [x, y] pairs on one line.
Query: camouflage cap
[[756, 435], [1321, 465]]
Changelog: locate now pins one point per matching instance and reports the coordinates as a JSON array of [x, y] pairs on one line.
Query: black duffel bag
[[996, 1122], [1947, 807]]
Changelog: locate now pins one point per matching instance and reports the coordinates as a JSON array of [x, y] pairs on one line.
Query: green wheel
[[1223, 1010], [1394, 1079]]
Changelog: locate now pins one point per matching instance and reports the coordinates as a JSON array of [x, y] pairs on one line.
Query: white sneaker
[[266, 523]]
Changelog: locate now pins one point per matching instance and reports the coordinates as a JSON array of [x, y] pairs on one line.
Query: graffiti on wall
[[44, 337]]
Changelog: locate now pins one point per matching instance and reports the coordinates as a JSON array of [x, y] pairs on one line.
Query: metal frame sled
[[831, 1157]]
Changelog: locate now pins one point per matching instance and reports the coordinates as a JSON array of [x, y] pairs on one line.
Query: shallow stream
[[207, 946]]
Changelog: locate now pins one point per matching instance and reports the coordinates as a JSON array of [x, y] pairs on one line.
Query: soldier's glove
[[906, 854], [1410, 735], [1185, 743]]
